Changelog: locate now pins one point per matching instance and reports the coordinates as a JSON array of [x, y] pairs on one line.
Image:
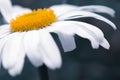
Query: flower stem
[[43, 73]]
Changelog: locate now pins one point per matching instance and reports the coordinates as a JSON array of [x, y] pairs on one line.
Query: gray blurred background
[[84, 63]]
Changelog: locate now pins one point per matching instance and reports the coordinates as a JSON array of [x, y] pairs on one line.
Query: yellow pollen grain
[[34, 20]]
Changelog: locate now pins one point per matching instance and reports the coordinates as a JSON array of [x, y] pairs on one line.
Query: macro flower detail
[[33, 20], [27, 33]]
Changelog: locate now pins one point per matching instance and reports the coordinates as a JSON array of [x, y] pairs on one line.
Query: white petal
[[4, 30], [6, 9], [80, 14], [93, 30], [31, 45], [70, 28], [18, 10], [49, 50], [9, 12], [61, 9], [98, 8], [105, 44], [3, 42], [11, 51], [66, 37], [97, 33], [67, 41], [17, 69]]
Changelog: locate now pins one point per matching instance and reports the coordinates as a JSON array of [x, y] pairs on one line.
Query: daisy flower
[[27, 33]]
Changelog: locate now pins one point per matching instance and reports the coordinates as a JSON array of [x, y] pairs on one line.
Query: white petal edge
[[6, 9], [60, 9], [80, 14], [2, 44], [17, 69], [4, 30], [18, 10], [11, 51], [105, 44], [99, 9], [67, 41], [91, 29], [31, 44], [10, 12], [72, 29], [50, 53]]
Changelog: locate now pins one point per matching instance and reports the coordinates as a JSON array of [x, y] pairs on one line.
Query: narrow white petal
[[11, 51], [70, 28], [99, 9], [4, 30], [93, 30], [31, 45], [80, 14], [61, 9], [49, 50], [105, 44], [6, 9], [96, 32]]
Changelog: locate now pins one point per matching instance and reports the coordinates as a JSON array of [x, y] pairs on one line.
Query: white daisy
[[29, 35]]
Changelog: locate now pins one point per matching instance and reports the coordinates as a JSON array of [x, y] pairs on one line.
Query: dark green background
[[84, 63]]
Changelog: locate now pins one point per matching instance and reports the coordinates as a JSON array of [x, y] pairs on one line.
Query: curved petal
[[12, 51], [80, 14], [31, 45], [91, 29], [4, 30], [61, 9], [105, 44], [69, 28], [96, 32], [99, 9], [49, 50]]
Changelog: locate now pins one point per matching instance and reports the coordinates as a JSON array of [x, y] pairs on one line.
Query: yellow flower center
[[32, 21]]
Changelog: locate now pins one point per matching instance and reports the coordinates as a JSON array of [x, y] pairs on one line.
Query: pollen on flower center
[[34, 20]]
